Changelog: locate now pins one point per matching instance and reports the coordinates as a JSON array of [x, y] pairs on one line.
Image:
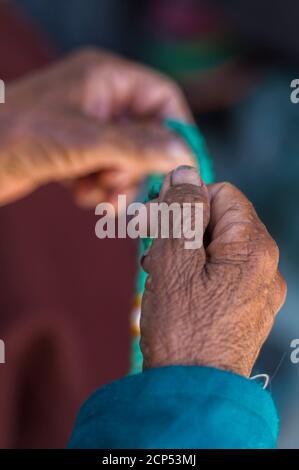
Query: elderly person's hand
[[212, 306], [92, 119]]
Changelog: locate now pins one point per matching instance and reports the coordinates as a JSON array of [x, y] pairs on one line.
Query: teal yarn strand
[[195, 141]]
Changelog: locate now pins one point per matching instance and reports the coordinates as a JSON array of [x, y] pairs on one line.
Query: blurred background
[[65, 296]]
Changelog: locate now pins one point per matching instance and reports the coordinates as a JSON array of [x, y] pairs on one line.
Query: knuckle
[[227, 187], [284, 290], [184, 193], [271, 251], [84, 58], [228, 190], [173, 87], [281, 287], [87, 54], [267, 254]]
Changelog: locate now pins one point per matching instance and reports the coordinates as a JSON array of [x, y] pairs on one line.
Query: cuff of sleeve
[[178, 407]]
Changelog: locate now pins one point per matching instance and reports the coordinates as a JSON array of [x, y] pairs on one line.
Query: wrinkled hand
[[92, 119], [212, 306]]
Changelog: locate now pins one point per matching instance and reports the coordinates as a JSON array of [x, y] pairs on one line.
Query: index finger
[[118, 86]]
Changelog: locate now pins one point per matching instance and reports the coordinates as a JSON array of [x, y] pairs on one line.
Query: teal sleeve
[[178, 407]]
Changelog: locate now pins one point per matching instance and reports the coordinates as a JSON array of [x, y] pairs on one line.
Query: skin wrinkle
[[214, 311], [185, 317], [63, 137]]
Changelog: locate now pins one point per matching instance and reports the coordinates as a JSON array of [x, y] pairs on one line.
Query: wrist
[[217, 356]]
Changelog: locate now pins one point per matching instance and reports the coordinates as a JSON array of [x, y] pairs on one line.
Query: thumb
[[186, 197], [163, 152]]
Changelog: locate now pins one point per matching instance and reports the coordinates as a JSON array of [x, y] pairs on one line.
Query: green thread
[[194, 139]]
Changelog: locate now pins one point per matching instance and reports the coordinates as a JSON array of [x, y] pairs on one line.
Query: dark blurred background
[[65, 296]]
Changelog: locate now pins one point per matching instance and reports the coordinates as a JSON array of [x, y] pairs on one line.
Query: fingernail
[[186, 174], [144, 255]]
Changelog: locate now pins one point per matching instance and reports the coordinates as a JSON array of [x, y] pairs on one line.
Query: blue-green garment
[[178, 407]]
